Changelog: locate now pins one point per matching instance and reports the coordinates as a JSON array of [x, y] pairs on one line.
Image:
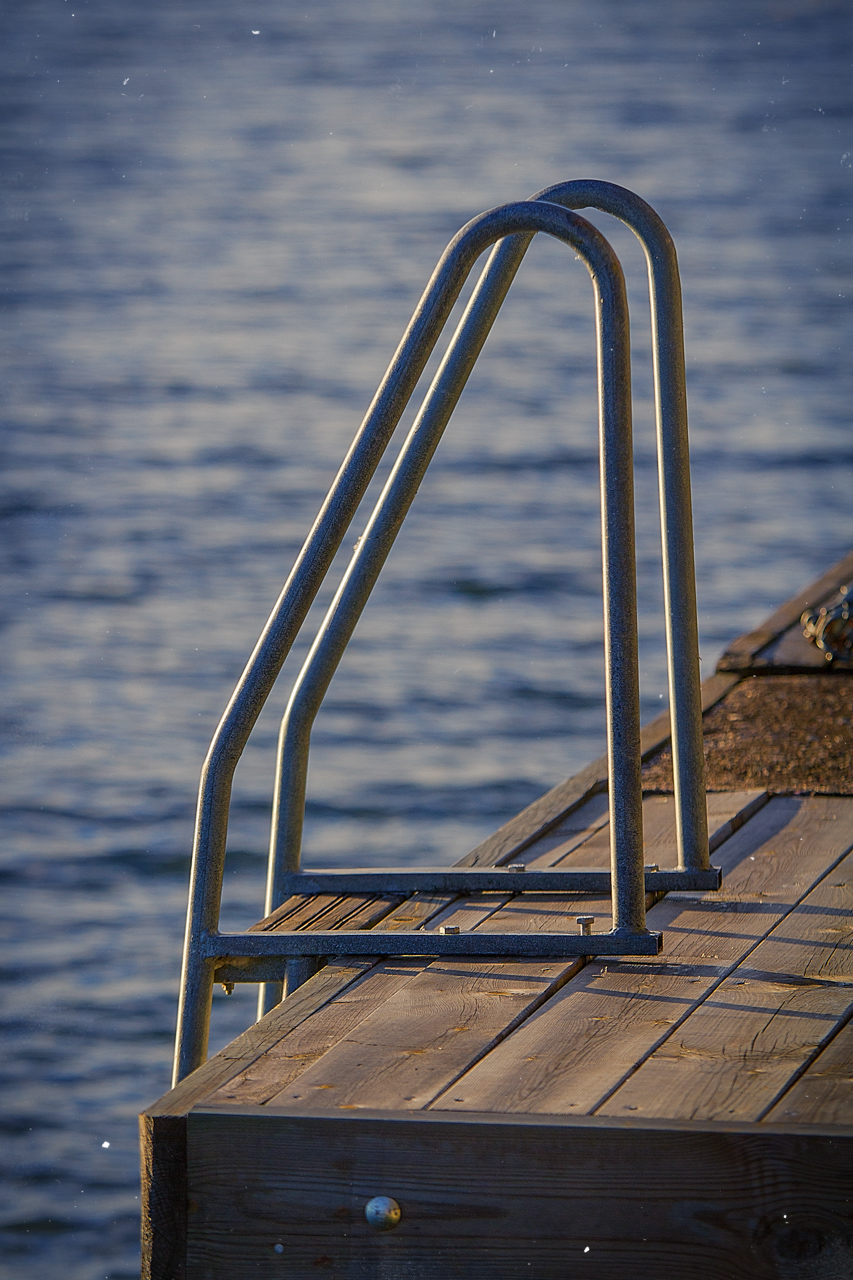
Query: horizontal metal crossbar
[[225, 947], [503, 879]]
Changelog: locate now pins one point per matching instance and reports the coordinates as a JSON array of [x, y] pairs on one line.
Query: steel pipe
[[282, 627], [618, 563], [347, 491]]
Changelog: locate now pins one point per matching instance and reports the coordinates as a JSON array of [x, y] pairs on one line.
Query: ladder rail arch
[[374, 546], [346, 492]]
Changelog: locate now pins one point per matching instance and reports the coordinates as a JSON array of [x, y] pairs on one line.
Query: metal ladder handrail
[[282, 628], [677, 557], [676, 528], [339, 508], [620, 630], [369, 557]]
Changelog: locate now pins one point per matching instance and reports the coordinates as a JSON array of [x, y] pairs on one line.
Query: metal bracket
[[401, 880], [226, 948]]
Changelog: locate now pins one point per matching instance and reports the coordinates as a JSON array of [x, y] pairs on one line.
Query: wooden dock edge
[[517, 1196], [163, 1126]]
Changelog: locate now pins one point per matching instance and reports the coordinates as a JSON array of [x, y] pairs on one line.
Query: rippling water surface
[[217, 219]]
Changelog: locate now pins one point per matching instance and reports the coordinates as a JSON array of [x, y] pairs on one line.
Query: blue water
[[217, 219]]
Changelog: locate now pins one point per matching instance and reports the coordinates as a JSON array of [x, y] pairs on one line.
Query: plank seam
[[804, 1066], [520, 1018], [730, 970], [651, 900]]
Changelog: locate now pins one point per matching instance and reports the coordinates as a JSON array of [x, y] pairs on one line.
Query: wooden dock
[[675, 1116]]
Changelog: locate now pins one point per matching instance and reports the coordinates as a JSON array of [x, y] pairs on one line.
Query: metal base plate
[[260, 957], [510, 879]]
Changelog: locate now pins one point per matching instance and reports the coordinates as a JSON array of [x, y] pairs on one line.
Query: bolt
[[516, 866], [383, 1213], [227, 987], [449, 928], [585, 923], [651, 866]]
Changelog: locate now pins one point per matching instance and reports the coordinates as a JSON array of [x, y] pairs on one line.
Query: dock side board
[[493, 1196]]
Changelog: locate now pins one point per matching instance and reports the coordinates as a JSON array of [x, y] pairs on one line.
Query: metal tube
[[258, 678], [337, 512], [675, 497], [679, 578], [618, 564]]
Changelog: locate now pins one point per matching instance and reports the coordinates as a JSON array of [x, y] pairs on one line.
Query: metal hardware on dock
[[513, 226], [383, 1212], [830, 628], [225, 950], [477, 880]]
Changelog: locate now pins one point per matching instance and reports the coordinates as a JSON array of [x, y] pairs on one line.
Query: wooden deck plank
[[486, 912], [824, 1092], [572, 1054], [735, 1054], [495, 912], [574, 830], [298, 1048], [449, 1015], [727, 811], [319, 911]]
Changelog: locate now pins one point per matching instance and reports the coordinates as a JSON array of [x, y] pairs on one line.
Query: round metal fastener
[[651, 866], [585, 923], [449, 928], [383, 1213], [516, 866]]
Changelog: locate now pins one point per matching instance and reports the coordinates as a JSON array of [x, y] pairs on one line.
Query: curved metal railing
[[514, 226]]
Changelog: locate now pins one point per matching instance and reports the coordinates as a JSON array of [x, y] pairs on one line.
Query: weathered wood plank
[[295, 1052], [734, 1055], [484, 1198], [574, 830], [414, 1044], [573, 1053], [285, 1061], [300, 912], [328, 911], [824, 1090], [493, 912]]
